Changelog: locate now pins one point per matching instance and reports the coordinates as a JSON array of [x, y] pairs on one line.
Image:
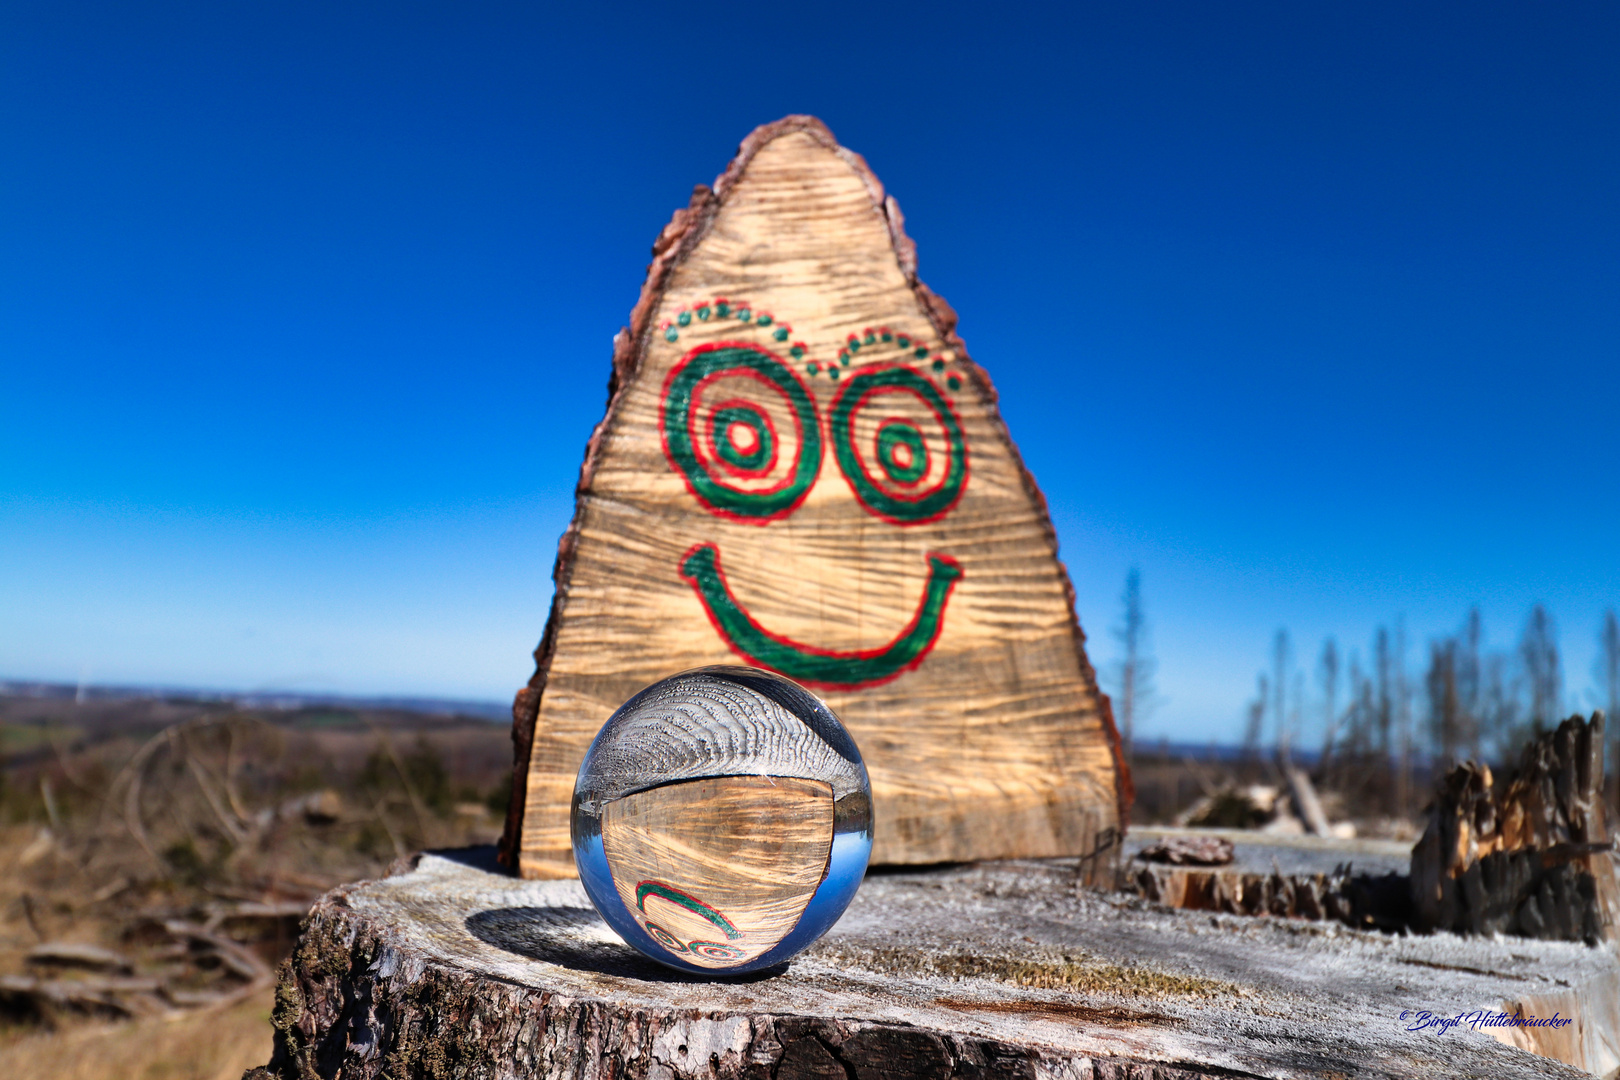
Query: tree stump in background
[[999, 971], [1533, 859], [801, 467]]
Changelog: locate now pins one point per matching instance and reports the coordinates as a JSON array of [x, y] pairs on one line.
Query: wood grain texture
[[890, 550], [990, 972], [750, 848]]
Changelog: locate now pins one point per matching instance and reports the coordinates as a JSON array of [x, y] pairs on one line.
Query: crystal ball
[[722, 820]]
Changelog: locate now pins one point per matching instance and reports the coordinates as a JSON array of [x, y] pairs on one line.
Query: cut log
[[78, 954], [1189, 851], [1000, 970], [1303, 794], [1534, 858], [801, 467]]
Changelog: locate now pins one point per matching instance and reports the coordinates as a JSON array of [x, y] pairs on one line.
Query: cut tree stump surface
[[981, 971]]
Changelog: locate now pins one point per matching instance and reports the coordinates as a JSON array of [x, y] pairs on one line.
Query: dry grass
[[183, 841], [203, 1046]]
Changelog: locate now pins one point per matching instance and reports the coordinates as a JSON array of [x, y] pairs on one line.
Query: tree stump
[[1361, 883], [992, 971], [1533, 858]]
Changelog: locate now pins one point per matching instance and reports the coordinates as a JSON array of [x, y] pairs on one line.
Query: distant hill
[[35, 717], [276, 700]]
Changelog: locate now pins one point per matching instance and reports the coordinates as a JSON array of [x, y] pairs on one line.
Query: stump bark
[[981, 972]]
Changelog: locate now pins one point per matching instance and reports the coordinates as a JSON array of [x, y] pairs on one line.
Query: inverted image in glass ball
[[722, 820]]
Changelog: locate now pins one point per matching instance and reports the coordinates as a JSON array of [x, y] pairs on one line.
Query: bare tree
[[1279, 684], [1470, 687], [1361, 710], [1454, 687], [1538, 651], [1257, 718], [1384, 704], [1607, 670], [1445, 707], [1327, 672], [1136, 694], [1607, 667], [1296, 711], [1403, 722], [1499, 706]]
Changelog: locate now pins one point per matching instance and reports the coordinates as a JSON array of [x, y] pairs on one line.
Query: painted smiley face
[[741, 426]]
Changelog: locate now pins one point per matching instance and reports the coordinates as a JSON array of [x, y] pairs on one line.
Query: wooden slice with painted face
[[719, 870], [802, 470]]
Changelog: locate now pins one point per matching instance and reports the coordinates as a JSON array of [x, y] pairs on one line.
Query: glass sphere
[[722, 820]]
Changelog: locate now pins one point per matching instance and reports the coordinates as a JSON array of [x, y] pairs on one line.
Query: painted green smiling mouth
[[823, 668], [687, 901]]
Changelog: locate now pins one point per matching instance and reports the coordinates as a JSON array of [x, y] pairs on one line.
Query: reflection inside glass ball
[[722, 820]]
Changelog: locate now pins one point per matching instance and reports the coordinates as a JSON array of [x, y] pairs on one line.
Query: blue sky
[[1312, 312]]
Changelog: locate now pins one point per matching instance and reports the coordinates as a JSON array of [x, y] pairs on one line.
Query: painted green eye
[[743, 438], [741, 428], [901, 452], [899, 445]]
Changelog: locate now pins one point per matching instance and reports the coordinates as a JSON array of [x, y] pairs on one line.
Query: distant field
[[156, 855], [19, 738]]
